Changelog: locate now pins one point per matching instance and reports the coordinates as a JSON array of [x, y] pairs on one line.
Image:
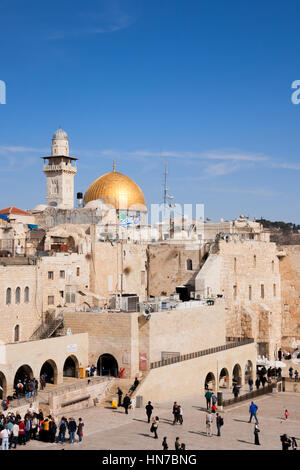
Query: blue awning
[[4, 217], [31, 226]]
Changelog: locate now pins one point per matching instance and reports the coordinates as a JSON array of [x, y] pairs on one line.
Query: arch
[[18, 295], [50, 369], [210, 381], [17, 333], [71, 367], [224, 378], [22, 373], [237, 375], [8, 296], [107, 365], [248, 371], [189, 264], [26, 294], [3, 385]]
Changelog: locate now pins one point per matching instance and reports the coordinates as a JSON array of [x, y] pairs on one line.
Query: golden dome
[[117, 190]]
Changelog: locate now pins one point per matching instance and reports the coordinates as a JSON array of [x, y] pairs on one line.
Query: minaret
[[60, 171]]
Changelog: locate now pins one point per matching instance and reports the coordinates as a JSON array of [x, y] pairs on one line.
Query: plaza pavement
[[108, 429]]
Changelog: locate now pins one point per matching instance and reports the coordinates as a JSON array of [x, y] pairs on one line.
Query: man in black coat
[[120, 394], [149, 409], [126, 403]]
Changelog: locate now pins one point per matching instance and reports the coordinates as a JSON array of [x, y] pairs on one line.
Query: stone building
[[96, 270]]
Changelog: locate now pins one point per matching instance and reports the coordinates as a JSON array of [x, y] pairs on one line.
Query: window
[[50, 299], [18, 295], [61, 292], [77, 271], [8, 296], [262, 291], [250, 292], [50, 275], [234, 264], [272, 266], [26, 295], [62, 274], [70, 295], [254, 261], [17, 333], [274, 290], [189, 265]]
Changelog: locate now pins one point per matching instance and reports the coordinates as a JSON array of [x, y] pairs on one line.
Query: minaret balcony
[[60, 167]]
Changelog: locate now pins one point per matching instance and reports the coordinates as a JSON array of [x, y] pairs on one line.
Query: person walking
[[257, 383], [165, 444], [279, 354], [154, 426], [15, 435], [219, 423], [296, 375], [80, 429], [72, 429], [294, 443], [149, 409], [175, 412], [177, 444], [4, 436], [286, 414], [180, 414], [285, 441], [236, 390], [253, 410], [250, 383], [208, 396], [256, 436], [120, 394], [62, 427], [126, 403], [291, 372], [209, 422]]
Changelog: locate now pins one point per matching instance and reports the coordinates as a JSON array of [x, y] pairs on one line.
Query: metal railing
[[204, 352], [249, 395]]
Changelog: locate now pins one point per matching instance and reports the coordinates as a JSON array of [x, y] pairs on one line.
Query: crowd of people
[[17, 431]]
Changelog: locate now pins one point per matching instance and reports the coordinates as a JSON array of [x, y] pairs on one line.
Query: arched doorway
[[49, 368], [237, 375], [71, 367], [107, 365], [3, 386], [210, 381], [224, 378], [248, 371], [24, 372]]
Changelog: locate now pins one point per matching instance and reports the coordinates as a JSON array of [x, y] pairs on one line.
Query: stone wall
[[246, 274], [119, 267], [25, 314], [187, 378], [290, 296], [167, 266], [109, 333], [35, 353]]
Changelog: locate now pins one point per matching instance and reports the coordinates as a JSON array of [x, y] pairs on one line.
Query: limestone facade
[[247, 274], [290, 296]]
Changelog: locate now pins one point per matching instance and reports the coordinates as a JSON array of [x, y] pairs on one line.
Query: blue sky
[[205, 85]]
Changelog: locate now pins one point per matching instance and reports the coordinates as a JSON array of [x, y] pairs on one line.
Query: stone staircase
[[46, 330], [124, 385]]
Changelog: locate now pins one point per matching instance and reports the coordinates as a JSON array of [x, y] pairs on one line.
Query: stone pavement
[[108, 429]]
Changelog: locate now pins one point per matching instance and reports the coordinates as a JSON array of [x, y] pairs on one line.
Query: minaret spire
[[114, 165]]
